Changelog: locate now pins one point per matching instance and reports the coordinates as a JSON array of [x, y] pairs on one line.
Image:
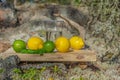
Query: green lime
[[49, 46], [19, 45]]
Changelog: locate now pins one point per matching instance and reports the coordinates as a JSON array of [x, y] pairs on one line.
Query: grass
[[40, 74]]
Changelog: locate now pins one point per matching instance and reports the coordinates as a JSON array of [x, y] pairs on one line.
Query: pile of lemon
[[37, 45], [64, 45]]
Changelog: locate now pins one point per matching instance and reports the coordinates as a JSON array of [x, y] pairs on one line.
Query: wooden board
[[74, 56]]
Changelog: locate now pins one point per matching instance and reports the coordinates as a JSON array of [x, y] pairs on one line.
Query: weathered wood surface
[[74, 56]]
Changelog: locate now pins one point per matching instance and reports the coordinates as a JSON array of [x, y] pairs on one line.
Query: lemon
[[76, 42], [35, 43], [50, 78], [62, 44]]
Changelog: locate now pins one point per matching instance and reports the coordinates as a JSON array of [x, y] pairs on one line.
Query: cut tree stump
[[73, 56]]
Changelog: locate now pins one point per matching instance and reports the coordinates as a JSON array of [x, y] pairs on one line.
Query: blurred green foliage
[[31, 74], [80, 78], [1, 71]]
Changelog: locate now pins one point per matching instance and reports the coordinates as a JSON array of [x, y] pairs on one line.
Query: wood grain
[[73, 56]]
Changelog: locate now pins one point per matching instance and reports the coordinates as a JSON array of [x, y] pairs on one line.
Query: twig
[[73, 24]]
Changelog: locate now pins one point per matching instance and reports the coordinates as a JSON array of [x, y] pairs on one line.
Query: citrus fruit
[[19, 45], [76, 42], [49, 46], [62, 44], [50, 78], [35, 43]]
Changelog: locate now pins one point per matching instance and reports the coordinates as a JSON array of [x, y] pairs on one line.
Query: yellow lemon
[[76, 42], [50, 78], [62, 44], [35, 43]]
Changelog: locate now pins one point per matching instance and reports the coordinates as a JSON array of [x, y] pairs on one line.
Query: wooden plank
[[74, 56]]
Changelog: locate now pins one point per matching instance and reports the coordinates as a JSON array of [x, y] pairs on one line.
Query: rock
[[2, 69], [11, 62], [7, 17], [8, 65], [37, 11], [77, 16]]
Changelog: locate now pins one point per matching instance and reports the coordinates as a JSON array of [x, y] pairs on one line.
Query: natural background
[[100, 19]]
